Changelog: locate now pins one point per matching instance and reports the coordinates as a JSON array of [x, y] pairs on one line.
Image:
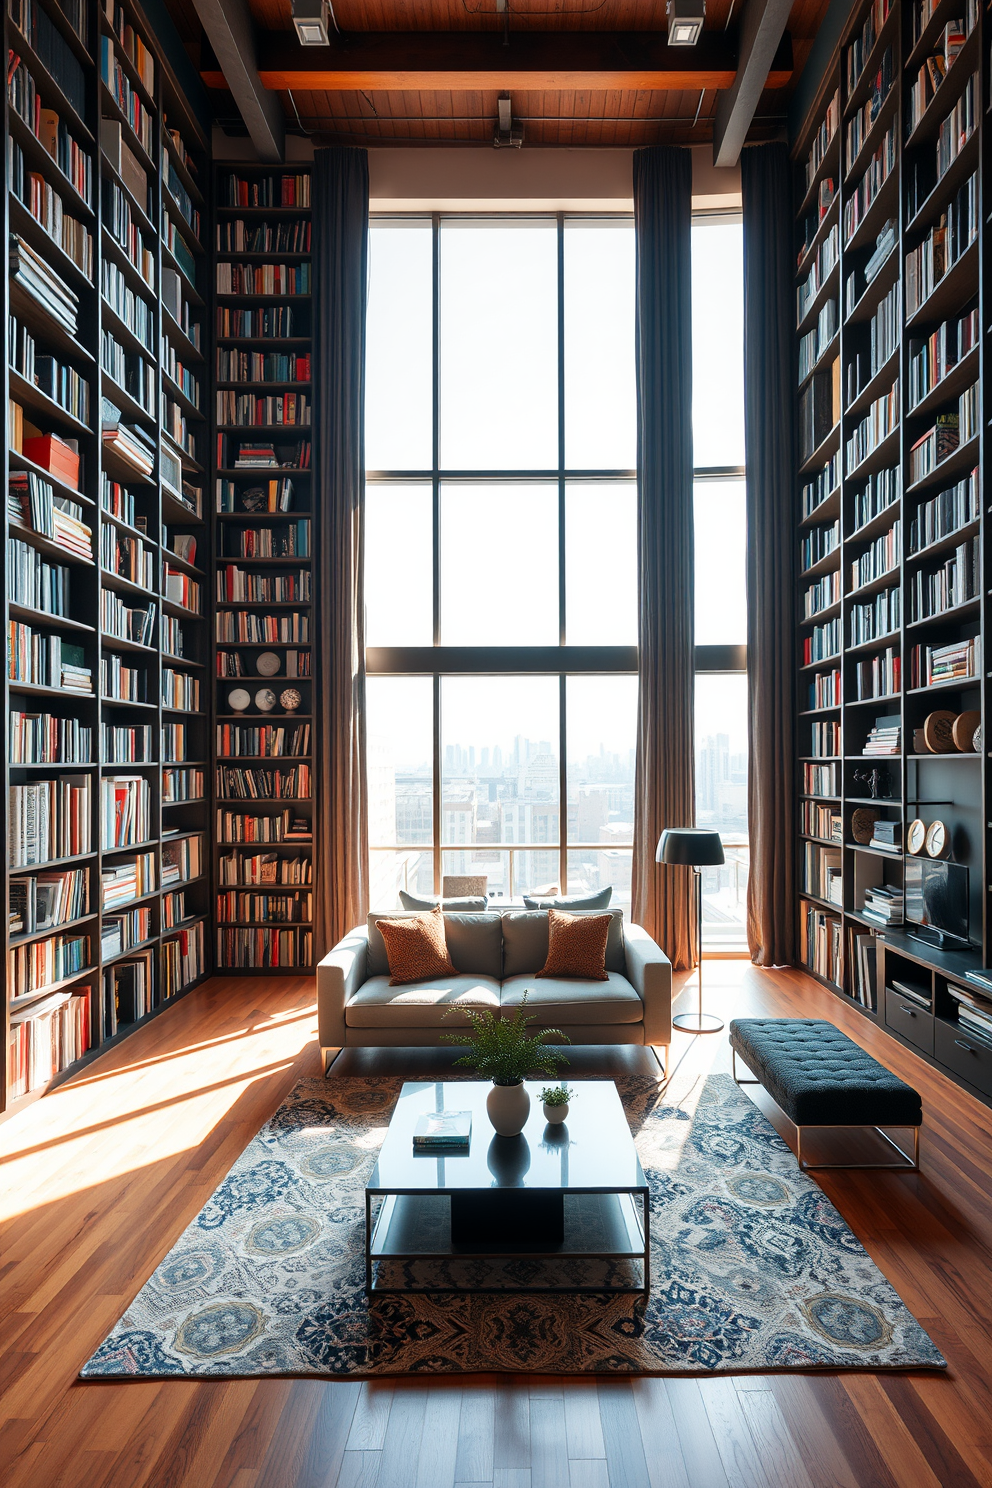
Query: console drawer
[[967, 1056], [914, 1023]]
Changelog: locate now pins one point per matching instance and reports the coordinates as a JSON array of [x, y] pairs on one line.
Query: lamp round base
[[698, 1022]]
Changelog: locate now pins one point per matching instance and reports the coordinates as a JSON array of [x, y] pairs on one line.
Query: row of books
[[932, 359], [46, 1039], [822, 946], [275, 908], [283, 540], [41, 963], [240, 947], [824, 822], [862, 45], [255, 630], [43, 901], [57, 380], [820, 270], [233, 664], [182, 785], [175, 742], [173, 910], [824, 744], [173, 640], [875, 618], [235, 784], [282, 826], [183, 959], [864, 987], [127, 879], [128, 557], [174, 241], [881, 556], [48, 820], [50, 46], [127, 623], [42, 200], [262, 366], [285, 190], [180, 589], [954, 661], [123, 932], [121, 682], [126, 97], [126, 744], [239, 236], [877, 172], [821, 486], [31, 500], [46, 659], [48, 127], [861, 276], [821, 872], [180, 691], [130, 371], [135, 311], [257, 869], [233, 453], [956, 130], [275, 495], [815, 343], [821, 595], [878, 423], [953, 583], [251, 410], [184, 377], [880, 491], [263, 279], [182, 199], [819, 409], [120, 223], [131, 43], [944, 244], [128, 991], [861, 121], [268, 741], [824, 690], [884, 737], [46, 739], [238, 585], [182, 859], [35, 583], [125, 810], [270, 323], [879, 675], [118, 501], [945, 513], [33, 274]]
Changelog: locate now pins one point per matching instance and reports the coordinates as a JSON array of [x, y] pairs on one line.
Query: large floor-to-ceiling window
[[501, 556]]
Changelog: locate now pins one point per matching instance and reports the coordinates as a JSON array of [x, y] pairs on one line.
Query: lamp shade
[[693, 847]]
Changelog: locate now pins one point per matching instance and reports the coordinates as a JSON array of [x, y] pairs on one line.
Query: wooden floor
[[101, 1177]]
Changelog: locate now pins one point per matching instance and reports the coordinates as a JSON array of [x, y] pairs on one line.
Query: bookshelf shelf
[[847, 950]]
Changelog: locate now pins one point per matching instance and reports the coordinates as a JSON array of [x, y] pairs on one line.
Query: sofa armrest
[[650, 972], [339, 976]]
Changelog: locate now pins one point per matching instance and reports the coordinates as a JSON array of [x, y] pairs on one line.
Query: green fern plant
[[502, 1049]]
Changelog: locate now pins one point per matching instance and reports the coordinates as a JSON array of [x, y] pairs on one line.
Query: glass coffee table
[[570, 1192]]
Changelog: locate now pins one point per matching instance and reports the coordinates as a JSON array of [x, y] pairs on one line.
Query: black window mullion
[[436, 813], [562, 579]]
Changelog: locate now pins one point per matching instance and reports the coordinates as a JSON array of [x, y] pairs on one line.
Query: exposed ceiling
[[587, 90]]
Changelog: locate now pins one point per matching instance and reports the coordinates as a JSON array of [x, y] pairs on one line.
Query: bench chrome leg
[[737, 1078], [908, 1165]]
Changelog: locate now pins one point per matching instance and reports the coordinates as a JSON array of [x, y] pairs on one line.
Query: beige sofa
[[495, 955]]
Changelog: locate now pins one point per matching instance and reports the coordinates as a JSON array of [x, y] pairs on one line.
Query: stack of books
[[130, 879], [885, 736], [129, 442], [883, 904], [443, 1131], [887, 835], [916, 992], [959, 660], [975, 1008], [30, 271], [255, 456], [33, 502]]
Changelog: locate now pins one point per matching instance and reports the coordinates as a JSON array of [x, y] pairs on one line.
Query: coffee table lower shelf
[[417, 1226]]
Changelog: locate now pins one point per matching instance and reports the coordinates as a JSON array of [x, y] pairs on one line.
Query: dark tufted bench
[[820, 1077]]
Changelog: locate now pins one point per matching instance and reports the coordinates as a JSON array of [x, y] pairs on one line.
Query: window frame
[[438, 661]]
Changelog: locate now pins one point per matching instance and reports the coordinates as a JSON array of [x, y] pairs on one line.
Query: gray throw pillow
[[573, 901], [469, 904]]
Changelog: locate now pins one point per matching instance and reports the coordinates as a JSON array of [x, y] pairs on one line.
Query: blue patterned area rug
[[752, 1267]]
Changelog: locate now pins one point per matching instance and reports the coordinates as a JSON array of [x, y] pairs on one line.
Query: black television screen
[[937, 896]]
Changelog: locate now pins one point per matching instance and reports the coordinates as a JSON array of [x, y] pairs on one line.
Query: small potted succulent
[[556, 1099], [503, 1051]]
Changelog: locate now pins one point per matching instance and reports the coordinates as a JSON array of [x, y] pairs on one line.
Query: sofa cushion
[[377, 1004], [525, 941], [571, 901], [569, 1001], [577, 946], [474, 942], [469, 904]]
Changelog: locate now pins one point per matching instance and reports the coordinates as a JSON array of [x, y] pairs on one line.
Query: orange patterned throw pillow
[[416, 948], [576, 946]]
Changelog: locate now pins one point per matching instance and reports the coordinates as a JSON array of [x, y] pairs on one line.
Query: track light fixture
[[310, 20], [506, 135], [685, 21]]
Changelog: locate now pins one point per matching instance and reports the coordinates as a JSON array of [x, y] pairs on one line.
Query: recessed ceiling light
[[685, 21], [310, 20]]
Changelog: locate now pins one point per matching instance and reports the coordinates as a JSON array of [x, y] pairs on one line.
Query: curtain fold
[[340, 263], [664, 781], [769, 424]]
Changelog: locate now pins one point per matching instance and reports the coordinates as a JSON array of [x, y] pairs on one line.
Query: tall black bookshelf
[[264, 734], [894, 335], [105, 871]]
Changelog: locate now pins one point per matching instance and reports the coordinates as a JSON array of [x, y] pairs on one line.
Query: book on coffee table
[[443, 1129]]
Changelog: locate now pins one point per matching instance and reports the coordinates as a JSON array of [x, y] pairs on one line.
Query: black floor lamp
[[695, 848]]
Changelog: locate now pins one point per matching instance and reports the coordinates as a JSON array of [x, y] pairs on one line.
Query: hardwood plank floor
[[100, 1178]]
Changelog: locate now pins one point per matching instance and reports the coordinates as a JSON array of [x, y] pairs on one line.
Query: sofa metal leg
[[327, 1058], [662, 1064]]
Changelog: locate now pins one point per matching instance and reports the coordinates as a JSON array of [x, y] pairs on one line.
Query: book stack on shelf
[[262, 584], [893, 424], [88, 184]]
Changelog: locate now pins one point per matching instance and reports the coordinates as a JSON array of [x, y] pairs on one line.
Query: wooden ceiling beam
[[464, 61]]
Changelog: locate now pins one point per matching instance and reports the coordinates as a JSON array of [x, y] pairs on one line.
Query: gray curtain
[[769, 415], [340, 262], [664, 783]]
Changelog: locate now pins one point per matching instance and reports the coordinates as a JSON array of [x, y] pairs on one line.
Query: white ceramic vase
[[555, 1115], [508, 1107]]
